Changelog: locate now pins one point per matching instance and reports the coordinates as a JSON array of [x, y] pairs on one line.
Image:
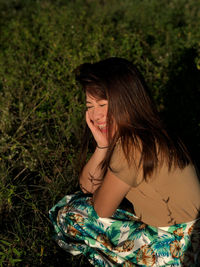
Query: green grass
[[42, 108]]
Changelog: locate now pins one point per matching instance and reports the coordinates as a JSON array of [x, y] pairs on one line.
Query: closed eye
[[87, 107]]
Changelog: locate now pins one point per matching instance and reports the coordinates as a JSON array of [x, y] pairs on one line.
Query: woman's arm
[[109, 195], [91, 175]]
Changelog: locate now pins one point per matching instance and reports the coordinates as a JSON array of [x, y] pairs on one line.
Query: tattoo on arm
[[84, 189], [94, 182]]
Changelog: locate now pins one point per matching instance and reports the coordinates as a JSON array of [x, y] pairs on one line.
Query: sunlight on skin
[[96, 118]]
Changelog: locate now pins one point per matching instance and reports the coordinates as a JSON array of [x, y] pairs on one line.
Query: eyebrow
[[88, 102]]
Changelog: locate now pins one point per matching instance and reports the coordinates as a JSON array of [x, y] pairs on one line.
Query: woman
[[135, 159]]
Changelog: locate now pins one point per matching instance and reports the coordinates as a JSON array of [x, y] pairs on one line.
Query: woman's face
[[97, 111]]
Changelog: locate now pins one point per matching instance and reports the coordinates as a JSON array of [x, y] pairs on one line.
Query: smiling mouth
[[102, 126]]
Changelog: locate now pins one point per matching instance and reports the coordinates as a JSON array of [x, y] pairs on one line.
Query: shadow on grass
[[182, 100], [194, 249], [182, 115], [62, 258]]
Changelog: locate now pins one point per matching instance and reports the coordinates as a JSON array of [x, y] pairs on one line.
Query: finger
[[94, 129], [96, 132], [88, 120]]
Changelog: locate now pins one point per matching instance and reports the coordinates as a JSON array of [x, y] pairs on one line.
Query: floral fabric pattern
[[122, 240]]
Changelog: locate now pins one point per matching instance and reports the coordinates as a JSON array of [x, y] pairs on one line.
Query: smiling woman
[[135, 159], [96, 114]]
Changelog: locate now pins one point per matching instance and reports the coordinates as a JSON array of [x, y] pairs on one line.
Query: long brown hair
[[133, 110]]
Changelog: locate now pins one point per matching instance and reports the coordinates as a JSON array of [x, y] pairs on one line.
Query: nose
[[98, 114]]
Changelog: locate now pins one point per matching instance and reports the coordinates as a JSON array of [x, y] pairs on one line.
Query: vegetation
[[42, 108]]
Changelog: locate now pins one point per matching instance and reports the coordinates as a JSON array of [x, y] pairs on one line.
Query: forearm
[[91, 175]]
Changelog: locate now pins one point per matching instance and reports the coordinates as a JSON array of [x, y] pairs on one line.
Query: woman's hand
[[101, 138]]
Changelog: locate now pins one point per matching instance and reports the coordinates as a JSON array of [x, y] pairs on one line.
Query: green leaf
[[16, 252], [5, 242], [16, 260]]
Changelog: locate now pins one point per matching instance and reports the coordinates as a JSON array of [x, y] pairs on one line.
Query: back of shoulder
[[120, 166]]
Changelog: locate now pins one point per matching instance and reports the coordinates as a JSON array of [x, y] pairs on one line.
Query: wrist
[[102, 147]]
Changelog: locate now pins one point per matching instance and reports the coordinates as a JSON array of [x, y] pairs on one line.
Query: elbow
[[84, 187], [84, 190]]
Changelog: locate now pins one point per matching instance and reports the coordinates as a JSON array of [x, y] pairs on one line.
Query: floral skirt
[[122, 240]]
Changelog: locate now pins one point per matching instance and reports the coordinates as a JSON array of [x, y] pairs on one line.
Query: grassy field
[[42, 108]]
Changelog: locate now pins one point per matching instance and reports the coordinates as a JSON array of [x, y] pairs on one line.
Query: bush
[[42, 108]]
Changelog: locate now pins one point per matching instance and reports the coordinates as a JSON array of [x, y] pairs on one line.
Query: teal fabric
[[121, 240]]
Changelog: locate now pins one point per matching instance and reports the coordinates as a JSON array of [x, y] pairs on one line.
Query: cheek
[[90, 114]]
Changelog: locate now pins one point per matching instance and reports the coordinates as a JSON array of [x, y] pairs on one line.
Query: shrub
[[42, 108]]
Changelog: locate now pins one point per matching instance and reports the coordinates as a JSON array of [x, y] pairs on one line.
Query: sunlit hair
[[132, 109]]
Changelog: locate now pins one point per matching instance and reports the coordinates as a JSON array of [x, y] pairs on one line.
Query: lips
[[102, 127]]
